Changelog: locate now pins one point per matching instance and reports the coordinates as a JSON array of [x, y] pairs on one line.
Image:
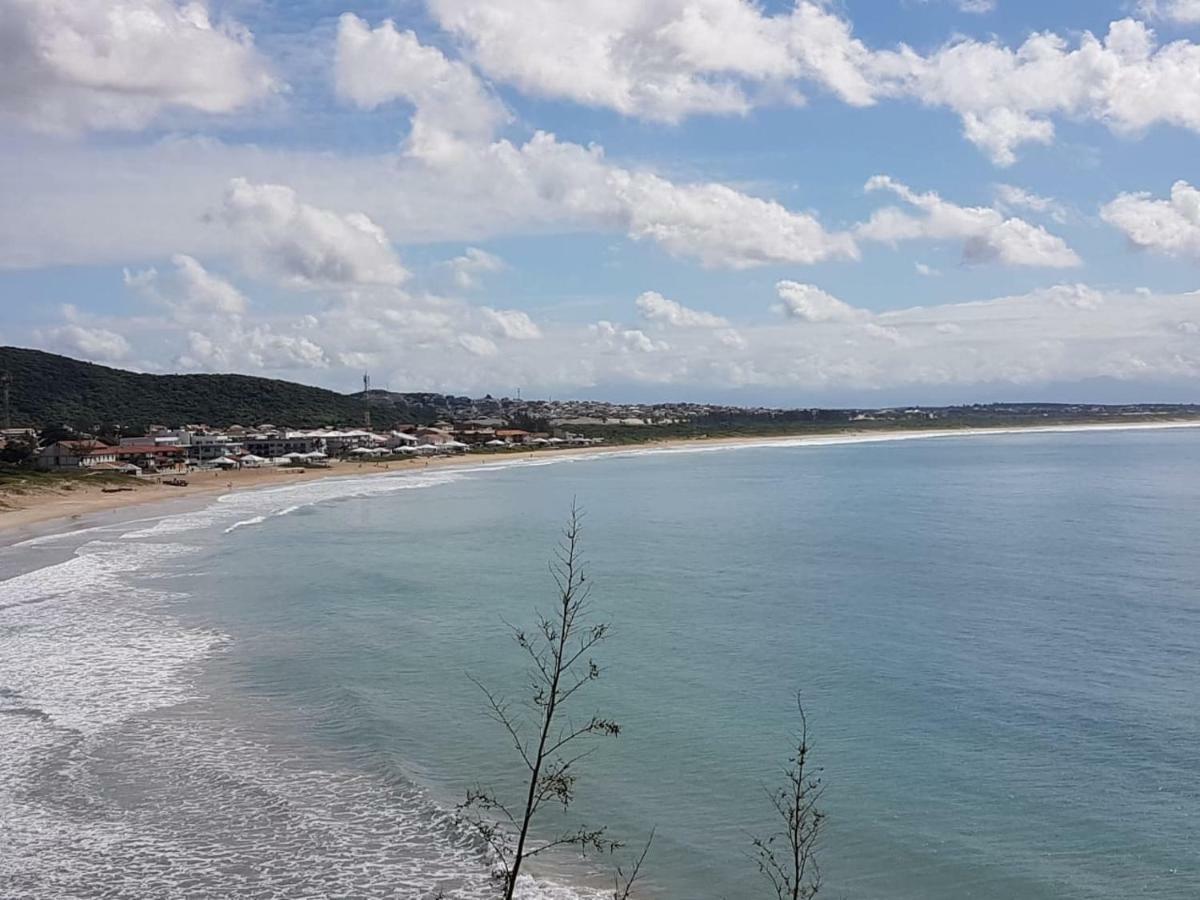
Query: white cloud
[[1063, 333], [809, 303], [82, 339], [478, 345], [677, 58], [1006, 97], [1011, 197], [664, 60], [1170, 227], [304, 245], [467, 271], [214, 316], [925, 269], [618, 337], [550, 179], [976, 6], [74, 65], [987, 234], [511, 323], [654, 307], [1182, 12], [380, 65]]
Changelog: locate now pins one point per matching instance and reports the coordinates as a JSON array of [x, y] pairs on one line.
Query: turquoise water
[[997, 639]]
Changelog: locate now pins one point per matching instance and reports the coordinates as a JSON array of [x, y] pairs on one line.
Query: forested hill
[[49, 390]]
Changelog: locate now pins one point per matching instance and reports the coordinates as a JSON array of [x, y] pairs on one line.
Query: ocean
[[997, 639]]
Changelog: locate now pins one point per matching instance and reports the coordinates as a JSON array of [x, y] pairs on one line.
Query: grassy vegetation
[[30, 481]]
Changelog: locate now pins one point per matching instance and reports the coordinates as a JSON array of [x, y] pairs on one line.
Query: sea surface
[[997, 640]]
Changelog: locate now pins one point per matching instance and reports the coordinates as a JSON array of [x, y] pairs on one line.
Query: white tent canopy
[[495, 443]]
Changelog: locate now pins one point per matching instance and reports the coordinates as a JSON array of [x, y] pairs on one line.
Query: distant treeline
[[49, 390]]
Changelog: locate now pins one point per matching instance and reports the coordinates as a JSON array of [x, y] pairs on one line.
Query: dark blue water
[[997, 640]]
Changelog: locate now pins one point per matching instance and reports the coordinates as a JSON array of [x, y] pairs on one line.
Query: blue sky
[[646, 200]]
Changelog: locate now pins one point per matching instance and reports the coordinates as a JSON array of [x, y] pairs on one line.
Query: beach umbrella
[[362, 451], [556, 441], [495, 443], [316, 454]]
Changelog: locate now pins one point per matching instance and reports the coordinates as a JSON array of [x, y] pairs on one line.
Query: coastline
[[24, 515]]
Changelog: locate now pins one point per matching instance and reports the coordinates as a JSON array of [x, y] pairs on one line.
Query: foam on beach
[[117, 774]]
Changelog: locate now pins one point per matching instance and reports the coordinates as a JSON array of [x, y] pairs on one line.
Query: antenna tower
[[6, 381], [366, 399]]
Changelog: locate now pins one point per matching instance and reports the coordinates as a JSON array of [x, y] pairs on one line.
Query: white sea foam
[[112, 782]]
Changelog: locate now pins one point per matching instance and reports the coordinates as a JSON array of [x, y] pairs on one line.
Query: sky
[[854, 202]]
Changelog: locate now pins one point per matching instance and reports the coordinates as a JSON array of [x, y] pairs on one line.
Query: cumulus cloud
[[670, 60], [1170, 226], [987, 235], [661, 61], [467, 271], [75, 65], [511, 323], [809, 303], [976, 6], [1007, 97], [654, 307], [1182, 12], [213, 315], [632, 340], [380, 65], [307, 246], [79, 338], [1009, 197], [1062, 333]]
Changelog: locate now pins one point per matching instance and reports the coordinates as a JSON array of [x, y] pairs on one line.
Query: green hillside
[[49, 389]]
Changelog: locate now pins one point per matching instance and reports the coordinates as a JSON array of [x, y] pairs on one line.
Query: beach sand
[[24, 514]]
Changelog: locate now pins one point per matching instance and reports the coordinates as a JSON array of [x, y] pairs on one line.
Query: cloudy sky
[[850, 201]]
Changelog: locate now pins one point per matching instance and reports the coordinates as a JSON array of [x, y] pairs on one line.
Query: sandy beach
[[40, 511]]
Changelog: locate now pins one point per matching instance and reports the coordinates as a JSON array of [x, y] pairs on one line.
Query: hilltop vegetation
[[49, 389]]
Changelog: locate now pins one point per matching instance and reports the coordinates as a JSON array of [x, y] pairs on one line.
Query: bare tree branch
[[559, 647], [787, 858]]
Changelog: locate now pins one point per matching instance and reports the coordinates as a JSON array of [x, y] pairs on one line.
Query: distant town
[[459, 425]]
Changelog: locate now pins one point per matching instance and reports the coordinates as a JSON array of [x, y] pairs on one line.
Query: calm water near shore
[[998, 640]]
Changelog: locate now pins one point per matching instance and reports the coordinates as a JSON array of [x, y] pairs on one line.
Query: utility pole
[[366, 399], [6, 380]]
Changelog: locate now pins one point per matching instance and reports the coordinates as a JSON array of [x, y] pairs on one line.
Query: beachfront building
[[64, 455], [153, 458], [200, 445], [283, 443], [512, 435], [434, 436], [398, 439]]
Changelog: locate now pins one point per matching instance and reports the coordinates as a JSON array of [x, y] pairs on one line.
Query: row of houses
[[169, 451], [131, 459]]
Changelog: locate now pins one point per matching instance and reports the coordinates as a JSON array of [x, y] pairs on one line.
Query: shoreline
[[27, 515]]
